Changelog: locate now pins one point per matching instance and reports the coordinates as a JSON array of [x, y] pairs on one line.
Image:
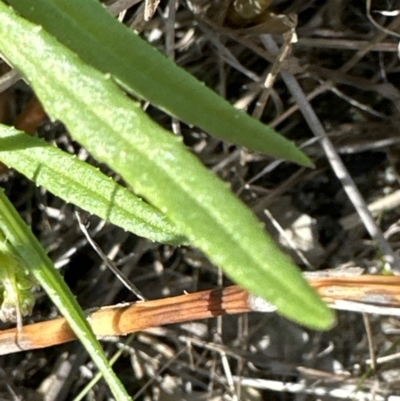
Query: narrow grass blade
[[158, 167], [101, 41], [29, 251], [83, 185]]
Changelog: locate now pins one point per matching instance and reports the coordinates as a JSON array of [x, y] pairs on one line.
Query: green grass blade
[[101, 41], [27, 249], [83, 185], [158, 167]]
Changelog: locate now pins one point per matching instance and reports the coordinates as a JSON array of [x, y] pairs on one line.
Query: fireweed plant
[[152, 161]]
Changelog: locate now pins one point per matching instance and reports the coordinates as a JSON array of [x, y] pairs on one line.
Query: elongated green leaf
[[101, 41], [26, 248], [80, 183], [157, 166]]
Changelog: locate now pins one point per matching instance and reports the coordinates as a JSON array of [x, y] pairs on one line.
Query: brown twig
[[374, 294], [123, 319]]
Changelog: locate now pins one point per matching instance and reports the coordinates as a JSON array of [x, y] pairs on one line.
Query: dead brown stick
[[123, 319], [367, 293]]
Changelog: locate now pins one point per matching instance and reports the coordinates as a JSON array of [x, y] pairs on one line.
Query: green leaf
[[158, 167], [83, 185], [26, 249], [101, 41], [16, 297]]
